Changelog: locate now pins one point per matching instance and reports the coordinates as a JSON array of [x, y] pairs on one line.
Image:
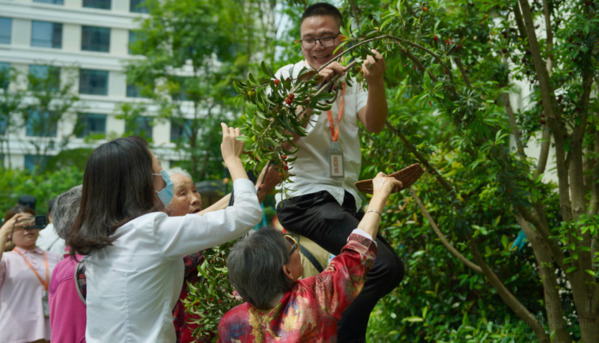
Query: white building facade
[[89, 38]]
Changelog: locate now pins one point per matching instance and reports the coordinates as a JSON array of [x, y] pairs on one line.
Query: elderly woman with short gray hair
[[265, 268], [67, 309]]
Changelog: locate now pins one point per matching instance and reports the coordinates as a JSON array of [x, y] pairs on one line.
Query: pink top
[[21, 311], [67, 310]]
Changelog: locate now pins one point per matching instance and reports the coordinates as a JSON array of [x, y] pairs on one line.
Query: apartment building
[[89, 38]]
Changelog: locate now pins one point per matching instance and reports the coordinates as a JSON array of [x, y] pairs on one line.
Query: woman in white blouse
[[133, 252]]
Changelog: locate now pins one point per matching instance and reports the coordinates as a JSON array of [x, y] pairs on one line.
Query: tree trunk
[[553, 305]]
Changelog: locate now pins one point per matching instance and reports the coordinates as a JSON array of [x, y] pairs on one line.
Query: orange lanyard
[[47, 282], [335, 131]]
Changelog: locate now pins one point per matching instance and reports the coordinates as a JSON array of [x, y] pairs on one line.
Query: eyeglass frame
[[294, 246], [319, 40]]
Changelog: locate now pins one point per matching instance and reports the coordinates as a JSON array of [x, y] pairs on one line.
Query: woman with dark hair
[[25, 273], [265, 267], [133, 252]]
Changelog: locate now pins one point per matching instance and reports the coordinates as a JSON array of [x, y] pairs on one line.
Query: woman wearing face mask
[[25, 273], [133, 252]]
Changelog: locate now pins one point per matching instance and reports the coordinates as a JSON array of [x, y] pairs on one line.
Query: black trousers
[[319, 217]]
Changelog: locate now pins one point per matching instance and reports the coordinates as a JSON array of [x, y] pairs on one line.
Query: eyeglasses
[[293, 245], [325, 42]]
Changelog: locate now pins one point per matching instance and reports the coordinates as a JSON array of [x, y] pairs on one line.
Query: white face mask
[[166, 194]]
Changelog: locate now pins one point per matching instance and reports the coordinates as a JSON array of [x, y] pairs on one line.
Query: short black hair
[[322, 9]]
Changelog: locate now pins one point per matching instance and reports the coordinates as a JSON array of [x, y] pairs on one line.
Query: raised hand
[[373, 67], [383, 184], [230, 146]]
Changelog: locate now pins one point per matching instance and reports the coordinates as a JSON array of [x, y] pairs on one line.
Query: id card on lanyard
[[45, 283], [335, 152]]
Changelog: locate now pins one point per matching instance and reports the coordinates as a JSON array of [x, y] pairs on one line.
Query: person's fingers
[[395, 182], [376, 54], [337, 67]]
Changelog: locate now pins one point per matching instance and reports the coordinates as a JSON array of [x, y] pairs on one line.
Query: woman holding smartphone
[[25, 273]]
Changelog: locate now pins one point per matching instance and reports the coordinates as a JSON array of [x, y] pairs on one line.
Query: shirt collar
[[37, 250], [307, 65]]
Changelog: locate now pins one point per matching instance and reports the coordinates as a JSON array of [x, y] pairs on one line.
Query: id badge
[[336, 161], [45, 305]]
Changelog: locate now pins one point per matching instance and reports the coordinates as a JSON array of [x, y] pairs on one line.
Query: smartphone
[[39, 222]]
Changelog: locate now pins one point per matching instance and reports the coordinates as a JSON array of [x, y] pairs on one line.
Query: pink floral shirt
[[310, 310]]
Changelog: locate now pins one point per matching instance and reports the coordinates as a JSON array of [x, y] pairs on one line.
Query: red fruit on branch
[[435, 38], [277, 81]]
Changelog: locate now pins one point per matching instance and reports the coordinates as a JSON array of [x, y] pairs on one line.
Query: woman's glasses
[[293, 245]]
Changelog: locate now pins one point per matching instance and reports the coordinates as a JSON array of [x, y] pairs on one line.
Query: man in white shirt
[[321, 201]]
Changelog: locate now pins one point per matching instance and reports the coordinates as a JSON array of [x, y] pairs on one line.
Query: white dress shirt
[[48, 240], [133, 284], [309, 173]]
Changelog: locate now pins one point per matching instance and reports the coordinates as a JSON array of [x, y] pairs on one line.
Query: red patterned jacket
[[310, 310]]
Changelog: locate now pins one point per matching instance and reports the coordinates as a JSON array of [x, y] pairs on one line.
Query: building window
[[101, 4], [5, 30], [3, 125], [180, 130], [55, 2], [46, 34], [139, 126], [139, 90], [33, 162], [90, 123], [138, 6], [4, 75], [95, 38], [93, 81], [44, 78], [133, 91], [41, 124], [134, 37], [181, 93]]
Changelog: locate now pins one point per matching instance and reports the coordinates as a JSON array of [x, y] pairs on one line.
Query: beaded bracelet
[[375, 211]]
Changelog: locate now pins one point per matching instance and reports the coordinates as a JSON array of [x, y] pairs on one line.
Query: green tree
[[37, 106], [14, 183], [10, 103], [451, 67], [51, 95], [192, 51]]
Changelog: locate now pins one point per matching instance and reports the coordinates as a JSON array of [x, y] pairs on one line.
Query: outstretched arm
[[374, 114], [382, 187]]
